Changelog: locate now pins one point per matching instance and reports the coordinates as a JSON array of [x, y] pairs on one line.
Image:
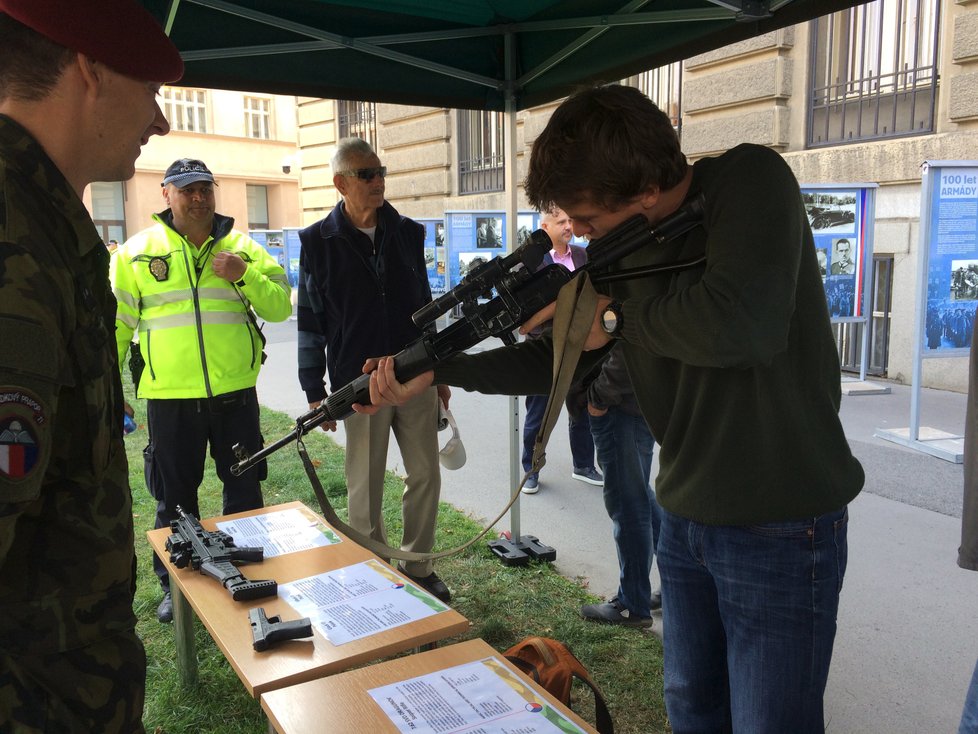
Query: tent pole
[[516, 549], [512, 208]]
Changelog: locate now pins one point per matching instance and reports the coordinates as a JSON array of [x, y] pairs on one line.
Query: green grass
[[504, 604]]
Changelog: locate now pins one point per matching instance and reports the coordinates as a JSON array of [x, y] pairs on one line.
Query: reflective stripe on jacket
[[195, 333]]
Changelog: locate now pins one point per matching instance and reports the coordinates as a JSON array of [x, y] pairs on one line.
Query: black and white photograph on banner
[[843, 257], [469, 261], [964, 280], [840, 293], [822, 256], [524, 228], [949, 324], [833, 211], [488, 232]]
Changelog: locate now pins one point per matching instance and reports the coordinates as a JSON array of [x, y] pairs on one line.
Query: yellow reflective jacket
[[195, 332]]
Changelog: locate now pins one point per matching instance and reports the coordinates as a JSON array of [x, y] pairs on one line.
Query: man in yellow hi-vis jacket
[[192, 286]]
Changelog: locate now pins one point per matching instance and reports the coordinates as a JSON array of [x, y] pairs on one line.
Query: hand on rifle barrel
[[385, 388], [325, 425]]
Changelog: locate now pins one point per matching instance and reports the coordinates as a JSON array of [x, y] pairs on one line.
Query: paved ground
[[908, 632]]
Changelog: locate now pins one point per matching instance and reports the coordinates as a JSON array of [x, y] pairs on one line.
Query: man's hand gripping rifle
[[212, 553], [519, 293]]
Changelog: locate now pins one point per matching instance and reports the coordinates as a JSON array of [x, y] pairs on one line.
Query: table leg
[[183, 633]]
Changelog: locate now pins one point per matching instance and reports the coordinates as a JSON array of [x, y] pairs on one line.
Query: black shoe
[[164, 612], [656, 604], [430, 583]]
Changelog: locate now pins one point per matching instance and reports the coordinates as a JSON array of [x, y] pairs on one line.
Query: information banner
[[434, 254], [949, 225], [476, 237], [290, 236], [838, 217], [271, 240]]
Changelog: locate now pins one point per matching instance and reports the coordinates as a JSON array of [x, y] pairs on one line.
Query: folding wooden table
[[293, 661]]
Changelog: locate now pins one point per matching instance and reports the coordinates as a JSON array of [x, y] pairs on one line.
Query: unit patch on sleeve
[[20, 416]]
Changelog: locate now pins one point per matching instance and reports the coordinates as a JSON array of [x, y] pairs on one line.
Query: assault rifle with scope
[[515, 290]]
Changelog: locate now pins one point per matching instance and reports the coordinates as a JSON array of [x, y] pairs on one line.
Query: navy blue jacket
[[351, 304]]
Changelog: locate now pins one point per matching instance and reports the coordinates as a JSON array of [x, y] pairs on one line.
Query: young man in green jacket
[[737, 374]]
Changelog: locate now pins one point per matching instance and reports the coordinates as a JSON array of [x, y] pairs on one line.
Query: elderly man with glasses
[[362, 274]]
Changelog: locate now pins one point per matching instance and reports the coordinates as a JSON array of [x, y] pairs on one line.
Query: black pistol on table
[[267, 631], [212, 553]]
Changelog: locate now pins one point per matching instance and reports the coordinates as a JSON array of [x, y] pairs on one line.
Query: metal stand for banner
[[943, 445]]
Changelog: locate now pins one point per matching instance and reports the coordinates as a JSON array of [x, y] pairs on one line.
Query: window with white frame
[[481, 162], [109, 210], [873, 72], [258, 113], [185, 109]]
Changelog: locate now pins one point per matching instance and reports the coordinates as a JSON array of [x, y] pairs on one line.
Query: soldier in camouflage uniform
[[76, 104]]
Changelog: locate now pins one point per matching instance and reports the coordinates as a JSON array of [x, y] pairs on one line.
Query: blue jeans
[[579, 432], [624, 445], [969, 716], [749, 619]]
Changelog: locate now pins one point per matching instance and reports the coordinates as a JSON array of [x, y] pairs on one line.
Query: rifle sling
[[576, 304]]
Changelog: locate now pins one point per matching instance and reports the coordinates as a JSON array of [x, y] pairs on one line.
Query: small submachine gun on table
[[212, 553], [496, 298]]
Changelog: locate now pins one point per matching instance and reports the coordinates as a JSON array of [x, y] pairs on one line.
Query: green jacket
[[195, 332], [66, 531], [734, 364]]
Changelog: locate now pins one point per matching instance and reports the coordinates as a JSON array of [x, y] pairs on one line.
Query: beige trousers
[[415, 428]]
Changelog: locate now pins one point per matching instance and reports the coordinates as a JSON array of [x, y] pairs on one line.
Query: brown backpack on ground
[[549, 663]]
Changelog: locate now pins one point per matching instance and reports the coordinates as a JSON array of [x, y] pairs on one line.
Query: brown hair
[[30, 64], [608, 144]]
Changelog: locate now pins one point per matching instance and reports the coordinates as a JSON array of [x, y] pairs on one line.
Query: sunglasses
[[366, 174]]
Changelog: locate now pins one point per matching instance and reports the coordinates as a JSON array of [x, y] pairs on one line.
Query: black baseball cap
[[185, 172]]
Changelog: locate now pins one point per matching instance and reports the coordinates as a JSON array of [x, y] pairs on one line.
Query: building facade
[[862, 96], [248, 140]]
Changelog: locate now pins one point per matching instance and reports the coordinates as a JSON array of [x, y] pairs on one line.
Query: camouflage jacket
[[66, 528]]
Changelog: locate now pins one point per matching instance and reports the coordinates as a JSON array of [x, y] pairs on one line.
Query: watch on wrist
[[611, 319], [240, 282]]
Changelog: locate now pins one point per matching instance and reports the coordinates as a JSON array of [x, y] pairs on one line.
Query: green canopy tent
[[504, 55], [468, 54]]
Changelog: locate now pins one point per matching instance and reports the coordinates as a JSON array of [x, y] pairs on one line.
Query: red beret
[[121, 34]]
